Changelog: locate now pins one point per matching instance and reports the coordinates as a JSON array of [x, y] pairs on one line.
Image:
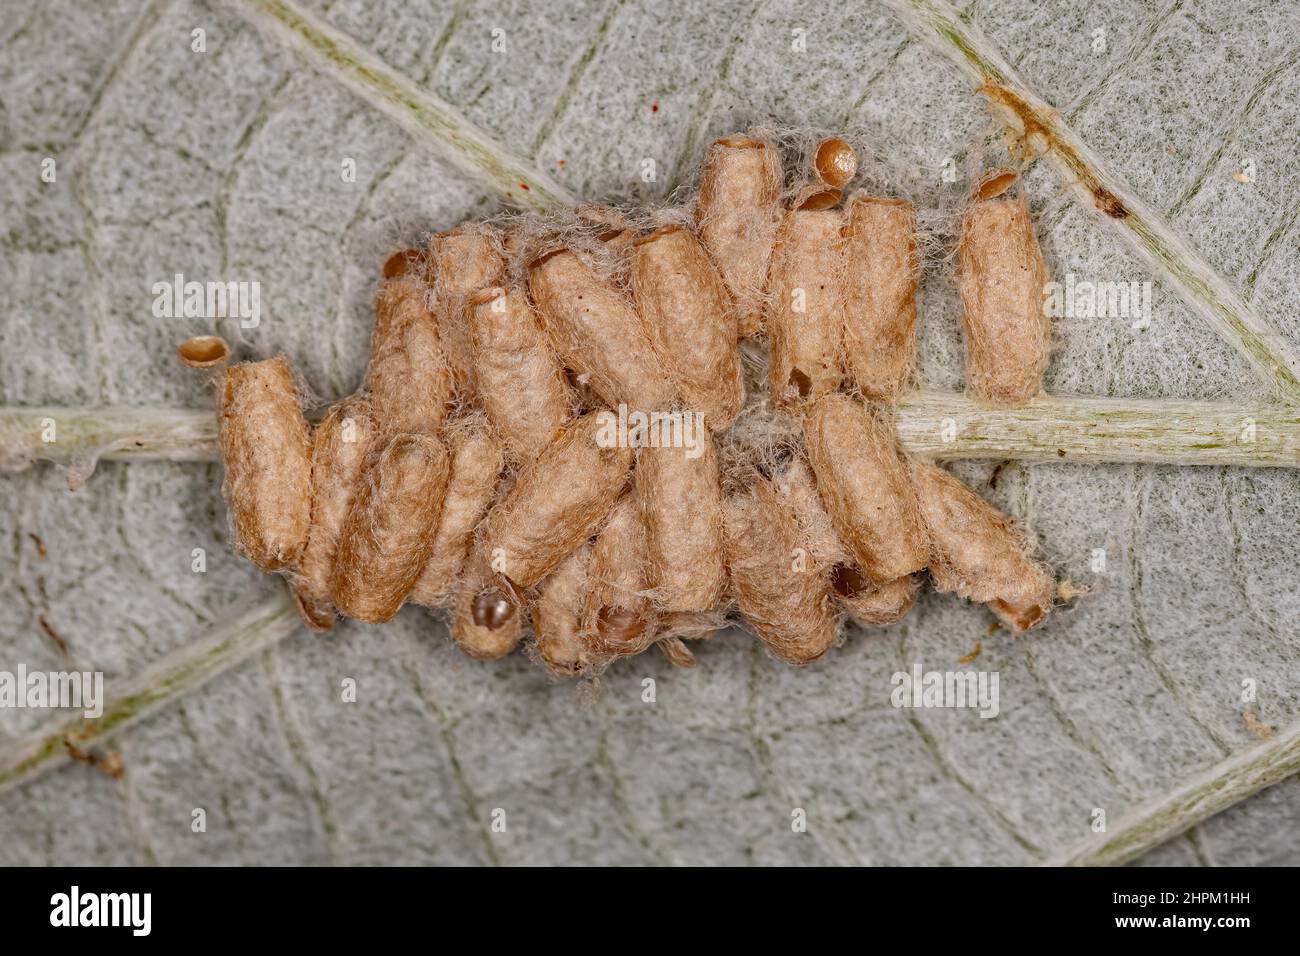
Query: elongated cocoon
[[880, 276], [691, 323], [617, 617], [737, 214], [978, 554], [865, 488], [341, 444], [408, 378], [557, 503], [681, 502], [476, 462], [488, 622], [461, 262], [796, 491], [1001, 277], [784, 599], [267, 453], [873, 606], [598, 333], [520, 382], [853, 591], [388, 534], [464, 260], [557, 617], [805, 316]]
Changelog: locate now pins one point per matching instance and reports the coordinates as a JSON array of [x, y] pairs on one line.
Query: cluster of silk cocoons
[[594, 432]]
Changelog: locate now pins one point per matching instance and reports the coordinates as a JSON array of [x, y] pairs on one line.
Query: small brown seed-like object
[[805, 317], [866, 489], [520, 382], [204, 351], [408, 378], [597, 332], [691, 323], [1001, 277], [476, 461], [834, 164], [784, 600], [617, 617], [978, 554], [681, 503], [267, 453], [341, 444], [881, 269], [488, 622], [557, 617], [388, 534], [557, 503], [737, 215]]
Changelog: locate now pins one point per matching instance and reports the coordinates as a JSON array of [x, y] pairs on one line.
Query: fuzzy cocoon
[[597, 332], [1001, 277], [978, 554], [694, 625], [805, 313], [408, 377], [476, 462], [796, 491], [389, 531], [557, 502], [737, 214], [267, 452], [785, 599], [865, 487], [341, 443], [882, 266], [460, 262], [520, 382], [681, 504], [557, 617], [854, 593], [690, 321], [617, 616]]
